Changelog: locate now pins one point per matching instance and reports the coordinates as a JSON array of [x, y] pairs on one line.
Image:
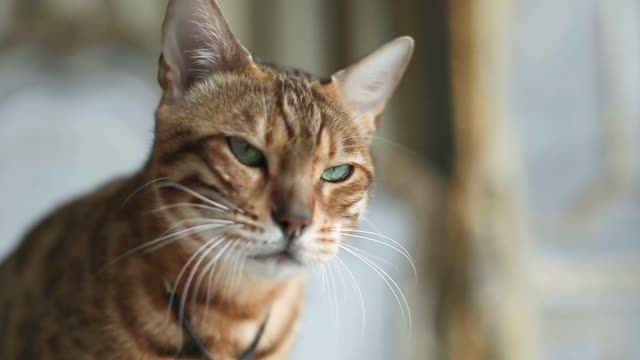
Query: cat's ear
[[196, 42], [367, 85]]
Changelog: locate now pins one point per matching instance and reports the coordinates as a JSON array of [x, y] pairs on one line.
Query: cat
[[255, 175]]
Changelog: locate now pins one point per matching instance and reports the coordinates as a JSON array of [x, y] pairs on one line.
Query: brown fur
[[83, 284]]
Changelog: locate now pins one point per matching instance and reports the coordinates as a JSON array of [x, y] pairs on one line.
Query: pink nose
[[292, 224]]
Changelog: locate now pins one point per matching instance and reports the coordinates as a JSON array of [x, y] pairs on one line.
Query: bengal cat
[[255, 175]]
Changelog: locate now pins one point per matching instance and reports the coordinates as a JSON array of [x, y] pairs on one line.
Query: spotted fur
[[97, 278]]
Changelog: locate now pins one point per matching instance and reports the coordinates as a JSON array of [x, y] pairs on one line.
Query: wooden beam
[[484, 309]]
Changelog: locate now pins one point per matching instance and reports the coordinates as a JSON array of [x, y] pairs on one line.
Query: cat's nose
[[292, 223]]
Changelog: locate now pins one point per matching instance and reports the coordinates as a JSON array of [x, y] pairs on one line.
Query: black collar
[[197, 347], [197, 344]]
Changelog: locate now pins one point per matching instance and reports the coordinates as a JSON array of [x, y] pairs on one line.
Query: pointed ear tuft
[[196, 42], [368, 85]]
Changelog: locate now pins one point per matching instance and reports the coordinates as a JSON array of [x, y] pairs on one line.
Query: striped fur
[[85, 284]]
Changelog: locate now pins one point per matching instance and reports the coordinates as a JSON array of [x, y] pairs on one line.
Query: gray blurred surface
[[576, 83]]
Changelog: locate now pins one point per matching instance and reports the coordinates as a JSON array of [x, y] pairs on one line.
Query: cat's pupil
[[249, 150]]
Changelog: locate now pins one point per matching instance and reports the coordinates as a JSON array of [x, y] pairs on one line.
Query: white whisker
[[357, 231], [384, 276], [164, 240], [229, 261], [140, 189], [187, 205], [209, 268], [372, 224], [176, 284], [400, 249], [372, 256], [196, 194], [238, 263], [334, 300], [324, 279], [194, 270], [169, 238], [359, 292]]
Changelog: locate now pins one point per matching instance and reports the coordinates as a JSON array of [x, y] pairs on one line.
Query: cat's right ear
[[196, 42], [367, 85]]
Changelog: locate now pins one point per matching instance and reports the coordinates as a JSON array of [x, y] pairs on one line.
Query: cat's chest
[[270, 337], [246, 340], [269, 334]]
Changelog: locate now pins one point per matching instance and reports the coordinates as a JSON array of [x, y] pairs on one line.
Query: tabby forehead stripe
[[198, 149], [350, 203], [190, 146], [193, 180], [284, 114], [367, 173], [228, 185], [320, 130]]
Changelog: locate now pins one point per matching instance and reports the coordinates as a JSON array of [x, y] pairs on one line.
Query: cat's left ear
[[197, 42], [367, 85]]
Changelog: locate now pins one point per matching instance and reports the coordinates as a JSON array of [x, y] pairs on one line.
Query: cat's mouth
[[281, 257]]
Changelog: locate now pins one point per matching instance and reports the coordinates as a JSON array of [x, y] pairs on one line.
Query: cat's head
[[263, 165]]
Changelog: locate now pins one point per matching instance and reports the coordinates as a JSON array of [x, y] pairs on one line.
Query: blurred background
[[508, 159]]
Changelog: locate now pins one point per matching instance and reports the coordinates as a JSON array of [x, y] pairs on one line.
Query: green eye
[[337, 173], [245, 152]]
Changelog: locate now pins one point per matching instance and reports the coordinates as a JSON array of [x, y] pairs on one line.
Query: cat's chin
[[276, 266]]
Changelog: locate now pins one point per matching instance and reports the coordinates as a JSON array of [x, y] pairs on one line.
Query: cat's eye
[[245, 152], [337, 173]]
